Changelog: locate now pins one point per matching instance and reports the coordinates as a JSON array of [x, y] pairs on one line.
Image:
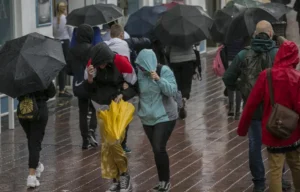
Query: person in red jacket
[[286, 85]]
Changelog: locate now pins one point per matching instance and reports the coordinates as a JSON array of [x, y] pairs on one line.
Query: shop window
[[6, 21]]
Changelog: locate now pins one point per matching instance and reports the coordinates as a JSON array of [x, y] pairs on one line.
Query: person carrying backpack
[[157, 110], [278, 89], [34, 125], [76, 63], [242, 75]]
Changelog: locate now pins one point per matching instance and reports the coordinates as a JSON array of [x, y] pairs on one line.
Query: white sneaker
[[39, 170], [32, 182]]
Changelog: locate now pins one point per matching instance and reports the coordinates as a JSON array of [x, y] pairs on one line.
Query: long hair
[[60, 10]]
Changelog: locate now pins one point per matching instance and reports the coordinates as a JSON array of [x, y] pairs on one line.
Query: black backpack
[[27, 108], [251, 66]]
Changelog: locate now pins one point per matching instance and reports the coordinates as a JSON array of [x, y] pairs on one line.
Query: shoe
[[231, 110], [286, 185], [125, 183], [126, 149], [39, 170], [182, 111], [32, 181], [115, 187], [225, 92], [237, 116], [164, 186], [92, 138], [86, 144], [65, 94], [156, 188]]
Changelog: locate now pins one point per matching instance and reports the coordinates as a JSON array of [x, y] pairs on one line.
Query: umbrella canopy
[[171, 5], [244, 23], [29, 64], [222, 19], [183, 26], [113, 123], [94, 15], [142, 22]]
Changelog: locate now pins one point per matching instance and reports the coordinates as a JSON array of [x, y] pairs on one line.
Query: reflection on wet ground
[[205, 152]]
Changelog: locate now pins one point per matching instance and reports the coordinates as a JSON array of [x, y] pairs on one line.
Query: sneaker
[[86, 144], [39, 170], [65, 94], [164, 186], [182, 111], [156, 188], [125, 183], [286, 185], [32, 181], [126, 149], [115, 187], [92, 138]]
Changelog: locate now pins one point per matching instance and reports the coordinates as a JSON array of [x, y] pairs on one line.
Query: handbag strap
[[269, 74]]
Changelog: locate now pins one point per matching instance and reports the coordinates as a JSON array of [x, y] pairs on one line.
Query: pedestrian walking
[[277, 85], [157, 110], [77, 59], [34, 129], [63, 33], [106, 74], [242, 75], [182, 62]]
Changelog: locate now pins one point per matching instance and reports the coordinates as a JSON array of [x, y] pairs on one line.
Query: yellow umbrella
[[113, 123]]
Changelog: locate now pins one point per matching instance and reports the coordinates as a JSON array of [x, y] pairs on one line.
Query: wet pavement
[[205, 152]]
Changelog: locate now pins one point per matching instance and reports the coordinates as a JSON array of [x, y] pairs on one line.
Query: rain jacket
[[78, 57], [108, 82], [232, 74], [156, 103], [286, 85]]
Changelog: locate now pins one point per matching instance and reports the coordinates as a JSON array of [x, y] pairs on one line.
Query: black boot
[[231, 110], [182, 111]]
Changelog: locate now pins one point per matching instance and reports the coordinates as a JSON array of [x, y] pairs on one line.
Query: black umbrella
[[29, 64], [183, 26], [142, 22], [94, 15], [222, 19], [244, 23]]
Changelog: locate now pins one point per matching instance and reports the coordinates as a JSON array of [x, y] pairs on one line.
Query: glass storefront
[[6, 21]]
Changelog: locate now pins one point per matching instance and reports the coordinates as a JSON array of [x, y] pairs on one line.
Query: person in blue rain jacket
[[157, 110]]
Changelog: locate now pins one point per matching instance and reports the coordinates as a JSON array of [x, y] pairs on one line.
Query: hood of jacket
[[102, 54], [262, 45], [287, 55], [147, 60], [84, 34]]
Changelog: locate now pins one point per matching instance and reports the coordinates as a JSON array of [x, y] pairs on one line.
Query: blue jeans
[[255, 158]]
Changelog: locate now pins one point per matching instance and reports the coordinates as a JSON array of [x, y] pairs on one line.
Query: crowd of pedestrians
[[115, 67]]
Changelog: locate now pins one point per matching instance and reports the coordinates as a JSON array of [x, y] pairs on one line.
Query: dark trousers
[[158, 136], [124, 142], [84, 108], [35, 131], [62, 74], [184, 72], [238, 99]]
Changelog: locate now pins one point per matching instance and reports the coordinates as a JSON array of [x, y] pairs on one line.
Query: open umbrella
[[142, 22], [244, 23], [222, 19], [94, 15], [113, 123], [183, 26], [29, 64]]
